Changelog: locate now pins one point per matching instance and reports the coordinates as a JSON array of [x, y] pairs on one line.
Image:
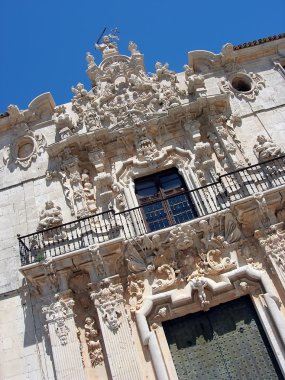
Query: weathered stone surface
[[105, 291]]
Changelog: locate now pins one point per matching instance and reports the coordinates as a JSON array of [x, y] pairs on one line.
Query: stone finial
[[133, 48]]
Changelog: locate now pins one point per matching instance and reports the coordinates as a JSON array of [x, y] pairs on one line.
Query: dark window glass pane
[[146, 188], [155, 216], [171, 181], [166, 211], [182, 208]]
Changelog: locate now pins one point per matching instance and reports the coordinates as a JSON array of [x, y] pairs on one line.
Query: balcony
[[152, 216]]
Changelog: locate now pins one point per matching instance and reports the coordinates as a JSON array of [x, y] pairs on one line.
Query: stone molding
[[243, 280]]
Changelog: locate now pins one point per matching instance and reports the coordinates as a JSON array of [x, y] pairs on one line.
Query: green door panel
[[227, 342]]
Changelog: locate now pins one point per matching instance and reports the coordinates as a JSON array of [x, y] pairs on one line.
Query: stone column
[[121, 355], [63, 337]]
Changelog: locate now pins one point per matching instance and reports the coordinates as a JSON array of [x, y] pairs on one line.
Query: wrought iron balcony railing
[[152, 216]]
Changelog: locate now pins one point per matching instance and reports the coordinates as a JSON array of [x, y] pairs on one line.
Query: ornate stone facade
[[146, 198]]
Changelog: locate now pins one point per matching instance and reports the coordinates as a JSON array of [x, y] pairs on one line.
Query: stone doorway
[[225, 343]]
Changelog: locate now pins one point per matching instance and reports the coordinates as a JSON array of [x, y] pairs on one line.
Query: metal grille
[[169, 206], [226, 343]]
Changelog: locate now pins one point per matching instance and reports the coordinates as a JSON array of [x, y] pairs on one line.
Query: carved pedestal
[[122, 357], [63, 337]]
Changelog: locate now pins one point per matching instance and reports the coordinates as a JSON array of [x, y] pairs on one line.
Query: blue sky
[[43, 43]]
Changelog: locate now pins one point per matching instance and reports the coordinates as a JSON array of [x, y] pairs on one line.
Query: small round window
[[241, 83]]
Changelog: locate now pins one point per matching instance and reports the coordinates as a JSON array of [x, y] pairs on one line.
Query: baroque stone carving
[[164, 278], [24, 149], [57, 314], [62, 176], [97, 261], [262, 209], [182, 237], [204, 250], [136, 290], [199, 284], [63, 122], [265, 149], [123, 94], [108, 299], [108, 46], [50, 216], [93, 342], [203, 161], [195, 83], [88, 191], [138, 261], [273, 242], [243, 85], [15, 115]]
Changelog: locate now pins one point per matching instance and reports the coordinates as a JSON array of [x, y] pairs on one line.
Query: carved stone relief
[[243, 85], [266, 149], [225, 143], [25, 149], [123, 95], [107, 298], [50, 216], [186, 252], [195, 82], [199, 284], [272, 241], [135, 290], [64, 124], [93, 342], [57, 314]]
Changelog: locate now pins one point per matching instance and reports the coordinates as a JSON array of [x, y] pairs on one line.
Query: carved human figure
[[162, 72], [199, 284], [79, 91], [265, 149], [263, 209], [90, 59], [51, 216], [229, 148], [93, 343], [108, 44], [133, 48], [207, 233]]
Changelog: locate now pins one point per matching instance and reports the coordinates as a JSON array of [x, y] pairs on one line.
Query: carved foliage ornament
[[243, 85], [24, 149], [123, 94], [57, 314], [108, 299], [274, 244]]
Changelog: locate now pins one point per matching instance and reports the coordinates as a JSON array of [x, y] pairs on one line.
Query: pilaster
[[63, 337], [114, 325]]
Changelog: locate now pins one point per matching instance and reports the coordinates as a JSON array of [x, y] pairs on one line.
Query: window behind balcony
[[170, 204]]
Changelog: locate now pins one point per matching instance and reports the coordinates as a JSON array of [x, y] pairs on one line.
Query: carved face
[[261, 139], [49, 205], [111, 317], [88, 320], [106, 39]]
